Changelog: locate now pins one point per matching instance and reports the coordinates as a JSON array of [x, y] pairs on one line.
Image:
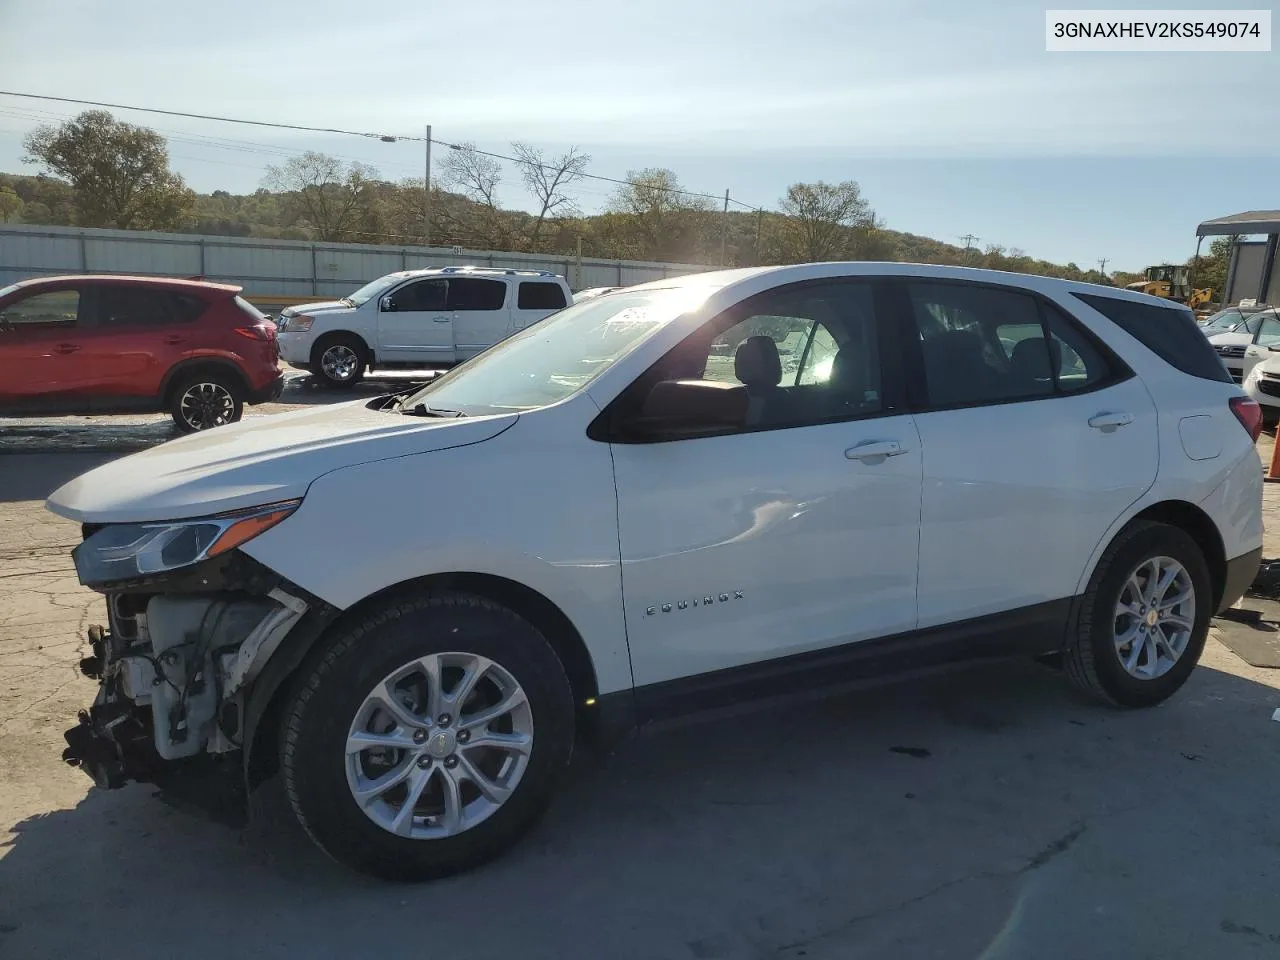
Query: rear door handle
[[441, 319], [1110, 421], [65, 348], [174, 340], [875, 449]]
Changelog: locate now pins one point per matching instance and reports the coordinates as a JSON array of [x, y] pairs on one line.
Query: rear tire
[[202, 401], [338, 360], [1095, 655], [338, 699]]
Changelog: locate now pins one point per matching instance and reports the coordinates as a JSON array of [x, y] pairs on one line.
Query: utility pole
[[724, 228], [969, 240], [426, 195], [759, 222], [1102, 266]]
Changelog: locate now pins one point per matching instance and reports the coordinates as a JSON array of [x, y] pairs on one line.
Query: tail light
[[264, 331], [1249, 414]]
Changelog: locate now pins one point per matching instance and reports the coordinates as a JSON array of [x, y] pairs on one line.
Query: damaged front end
[[180, 664]]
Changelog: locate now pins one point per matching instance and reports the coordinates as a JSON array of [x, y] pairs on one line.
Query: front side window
[[53, 308], [472, 293], [420, 296], [792, 358], [1269, 331], [556, 357]]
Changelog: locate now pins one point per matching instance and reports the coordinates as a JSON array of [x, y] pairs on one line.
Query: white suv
[[633, 510], [415, 319]]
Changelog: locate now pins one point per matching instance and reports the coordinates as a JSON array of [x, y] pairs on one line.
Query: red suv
[[91, 344]]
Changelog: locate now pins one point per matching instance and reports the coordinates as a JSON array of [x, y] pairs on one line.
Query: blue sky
[[951, 116]]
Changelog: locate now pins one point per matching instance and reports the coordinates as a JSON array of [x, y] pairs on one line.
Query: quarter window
[[540, 295], [54, 308]]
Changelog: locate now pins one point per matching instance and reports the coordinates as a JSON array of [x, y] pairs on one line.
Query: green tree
[[1211, 271], [11, 204], [656, 218], [119, 173], [822, 220]]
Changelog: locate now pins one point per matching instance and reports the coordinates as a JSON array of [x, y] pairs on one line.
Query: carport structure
[[1251, 270]]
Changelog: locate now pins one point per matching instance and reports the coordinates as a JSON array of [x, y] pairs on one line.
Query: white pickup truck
[[416, 319]]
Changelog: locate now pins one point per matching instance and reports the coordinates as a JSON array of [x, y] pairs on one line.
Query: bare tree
[[476, 176], [821, 219], [547, 179], [336, 198]]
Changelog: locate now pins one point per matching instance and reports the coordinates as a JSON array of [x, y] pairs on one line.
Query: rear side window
[[1169, 332], [121, 306], [472, 293], [538, 295]]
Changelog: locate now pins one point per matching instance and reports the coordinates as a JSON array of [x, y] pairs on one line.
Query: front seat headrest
[[1035, 359], [757, 363]]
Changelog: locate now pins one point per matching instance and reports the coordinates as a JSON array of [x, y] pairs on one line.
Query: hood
[[324, 306], [256, 461], [1231, 339]]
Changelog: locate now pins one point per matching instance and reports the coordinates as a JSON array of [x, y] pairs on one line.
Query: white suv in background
[[415, 319], [636, 510]]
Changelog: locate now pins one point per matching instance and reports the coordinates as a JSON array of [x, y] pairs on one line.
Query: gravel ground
[[983, 813]]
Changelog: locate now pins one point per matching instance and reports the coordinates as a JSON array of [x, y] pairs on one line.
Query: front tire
[[428, 737], [206, 400], [1141, 626], [338, 360]]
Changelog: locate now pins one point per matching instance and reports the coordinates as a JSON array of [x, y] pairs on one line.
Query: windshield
[[558, 356], [371, 290], [1224, 320]]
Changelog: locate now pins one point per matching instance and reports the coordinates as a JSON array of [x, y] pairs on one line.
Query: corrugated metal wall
[[278, 268]]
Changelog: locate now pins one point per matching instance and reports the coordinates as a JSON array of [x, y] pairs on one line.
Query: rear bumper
[[1240, 575], [270, 392]]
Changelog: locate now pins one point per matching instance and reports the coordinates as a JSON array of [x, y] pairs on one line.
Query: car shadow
[[988, 811]]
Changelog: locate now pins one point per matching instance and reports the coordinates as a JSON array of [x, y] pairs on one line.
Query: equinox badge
[[706, 601]]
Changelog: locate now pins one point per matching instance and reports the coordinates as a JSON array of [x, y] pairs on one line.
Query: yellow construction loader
[[1173, 283]]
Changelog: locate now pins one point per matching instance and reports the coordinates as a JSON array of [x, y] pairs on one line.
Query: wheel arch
[[1188, 518], [277, 683], [330, 335], [192, 365]]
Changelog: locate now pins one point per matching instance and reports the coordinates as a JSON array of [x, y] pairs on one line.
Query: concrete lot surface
[[988, 812]]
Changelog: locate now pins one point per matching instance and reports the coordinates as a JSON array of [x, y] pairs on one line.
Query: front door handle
[[1110, 421], [65, 348], [875, 450], [441, 319], [171, 341]]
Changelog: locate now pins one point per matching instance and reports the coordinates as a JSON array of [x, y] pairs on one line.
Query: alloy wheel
[[206, 405], [1155, 617], [339, 362], [439, 745]]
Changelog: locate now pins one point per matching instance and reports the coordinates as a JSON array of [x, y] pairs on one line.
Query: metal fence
[[275, 271]]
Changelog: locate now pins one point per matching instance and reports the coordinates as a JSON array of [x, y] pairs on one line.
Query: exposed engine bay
[[176, 669]]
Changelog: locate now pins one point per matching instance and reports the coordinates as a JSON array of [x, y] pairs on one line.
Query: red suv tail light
[[264, 331], [1249, 414]]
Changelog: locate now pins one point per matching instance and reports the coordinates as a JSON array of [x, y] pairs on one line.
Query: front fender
[[534, 505]]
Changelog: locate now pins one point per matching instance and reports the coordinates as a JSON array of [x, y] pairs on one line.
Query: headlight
[[300, 323], [127, 551]]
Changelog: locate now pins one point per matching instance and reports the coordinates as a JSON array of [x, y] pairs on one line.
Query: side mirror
[[387, 304], [675, 409]]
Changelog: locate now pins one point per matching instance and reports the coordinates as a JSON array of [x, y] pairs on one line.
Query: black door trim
[[1034, 630]]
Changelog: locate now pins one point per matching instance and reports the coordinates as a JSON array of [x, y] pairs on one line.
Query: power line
[[385, 137]]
